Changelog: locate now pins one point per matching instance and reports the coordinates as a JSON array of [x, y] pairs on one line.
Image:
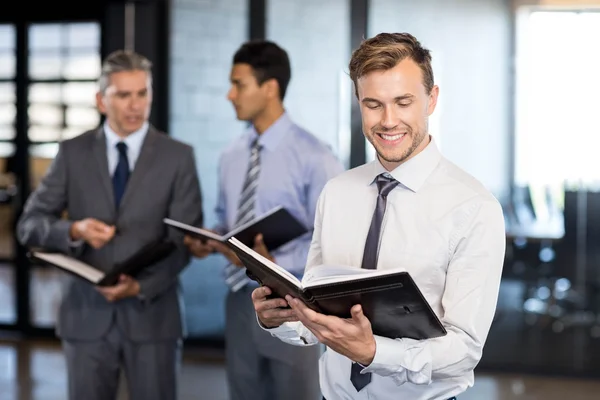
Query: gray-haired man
[[116, 184]]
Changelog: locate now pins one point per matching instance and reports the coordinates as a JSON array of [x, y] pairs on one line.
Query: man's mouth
[[391, 138]]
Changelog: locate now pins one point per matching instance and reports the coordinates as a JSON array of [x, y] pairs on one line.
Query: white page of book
[[80, 268], [278, 269], [325, 274]]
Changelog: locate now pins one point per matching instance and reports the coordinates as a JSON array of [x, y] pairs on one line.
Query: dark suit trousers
[[150, 368], [260, 366]]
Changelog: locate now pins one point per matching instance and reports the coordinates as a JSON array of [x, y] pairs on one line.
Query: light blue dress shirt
[[134, 144], [294, 167]]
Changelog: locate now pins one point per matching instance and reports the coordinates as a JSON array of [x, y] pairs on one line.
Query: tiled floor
[[36, 371]]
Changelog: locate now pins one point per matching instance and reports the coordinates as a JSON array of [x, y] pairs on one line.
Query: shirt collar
[[273, 135], [133, 141], [414, 172]]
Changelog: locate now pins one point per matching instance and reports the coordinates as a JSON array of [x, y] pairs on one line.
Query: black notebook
[[277, 226], [390, 299], [145, 257]]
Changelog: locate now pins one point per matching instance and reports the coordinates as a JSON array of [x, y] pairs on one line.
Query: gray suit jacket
[[164, 183]]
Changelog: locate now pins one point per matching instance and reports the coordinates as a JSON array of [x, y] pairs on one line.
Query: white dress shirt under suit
[[134, 143], [447, 230]]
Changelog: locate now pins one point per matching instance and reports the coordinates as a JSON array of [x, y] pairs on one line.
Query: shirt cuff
[[404, 360], [75, 246], [288, 333]]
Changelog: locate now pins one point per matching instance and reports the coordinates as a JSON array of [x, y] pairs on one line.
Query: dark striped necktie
[[236, 277]]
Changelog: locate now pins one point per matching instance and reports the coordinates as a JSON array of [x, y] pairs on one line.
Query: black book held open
[[145, 257], [390, 299], [277, 226]]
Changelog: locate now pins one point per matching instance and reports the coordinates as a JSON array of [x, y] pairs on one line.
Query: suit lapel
[[99, 150], [142, 165]]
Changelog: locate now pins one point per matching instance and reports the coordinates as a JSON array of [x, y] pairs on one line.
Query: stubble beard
[[416, 136]]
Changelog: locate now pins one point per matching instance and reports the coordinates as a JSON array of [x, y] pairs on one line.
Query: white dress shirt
[[447, 231], [134, 142]]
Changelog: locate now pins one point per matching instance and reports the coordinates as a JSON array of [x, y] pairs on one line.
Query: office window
[[558, 81], [64, 65], [8, 109], [8, 113]]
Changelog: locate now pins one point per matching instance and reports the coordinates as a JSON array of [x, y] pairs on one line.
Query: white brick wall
[[315, 34], [205, 35]]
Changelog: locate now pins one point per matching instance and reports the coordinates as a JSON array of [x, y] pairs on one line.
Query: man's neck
[[118, 132], [267, 118]]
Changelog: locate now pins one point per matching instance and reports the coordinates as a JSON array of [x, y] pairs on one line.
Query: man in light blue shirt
[[274, 163]]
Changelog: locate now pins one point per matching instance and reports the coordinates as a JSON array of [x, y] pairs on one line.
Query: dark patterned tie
[[236, 277], [121, 174], [384, 186]]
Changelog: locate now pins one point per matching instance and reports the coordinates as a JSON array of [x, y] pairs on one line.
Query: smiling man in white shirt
[[431, 218]]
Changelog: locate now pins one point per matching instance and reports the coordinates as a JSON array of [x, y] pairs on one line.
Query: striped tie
[[236, 276]]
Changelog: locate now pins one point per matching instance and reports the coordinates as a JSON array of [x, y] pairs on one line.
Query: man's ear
[[272, 88], [100, 103], [433, 98]]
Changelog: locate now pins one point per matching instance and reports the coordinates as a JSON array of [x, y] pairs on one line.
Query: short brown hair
[[385, 51]]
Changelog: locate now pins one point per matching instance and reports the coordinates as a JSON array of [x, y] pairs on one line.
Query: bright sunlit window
[[557, 99]]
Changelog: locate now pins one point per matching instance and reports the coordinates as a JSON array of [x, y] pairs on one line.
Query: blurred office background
[[518, 109]]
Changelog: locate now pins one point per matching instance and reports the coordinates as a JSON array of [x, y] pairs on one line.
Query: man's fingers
[[357, 313], [220, 247], [273, 304], [359, 317], [113, 293], [197, 247], [311, 317], [258, 241], [278, 322], [261, 293], [101, 234], [227, 252], [96, 243], [234, 259], [272, 311], [277, 313], [106, 292], [100, 227]]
